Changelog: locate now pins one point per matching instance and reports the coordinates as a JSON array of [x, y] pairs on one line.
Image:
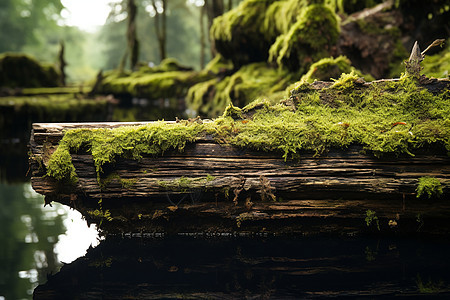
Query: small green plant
[[100, 213], [371, 216], [429, 287], [429, 186]]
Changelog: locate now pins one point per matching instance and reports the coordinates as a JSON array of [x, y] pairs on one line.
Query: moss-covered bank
[[18, 113], [19, 70], [168, 80], [397, 117]]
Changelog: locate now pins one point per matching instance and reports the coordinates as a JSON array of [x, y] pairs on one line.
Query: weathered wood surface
[[340, 185]]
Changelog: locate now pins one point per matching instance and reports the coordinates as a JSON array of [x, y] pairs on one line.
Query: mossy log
[[211, 187]]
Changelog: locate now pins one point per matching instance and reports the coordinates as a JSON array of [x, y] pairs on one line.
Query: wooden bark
[[331, 193]]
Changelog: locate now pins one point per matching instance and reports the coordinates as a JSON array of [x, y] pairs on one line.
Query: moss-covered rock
[[150, 84], [239, 34], [19, 70], [167, 65], [308, 39], [331, 68], [247, 84]]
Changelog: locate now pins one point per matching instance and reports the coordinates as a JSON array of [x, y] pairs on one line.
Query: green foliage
[[429, 186], [25, 22], [19, 70], [100, 213]]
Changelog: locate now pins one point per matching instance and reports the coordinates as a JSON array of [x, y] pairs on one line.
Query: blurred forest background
[[196, 56], [38, 27]]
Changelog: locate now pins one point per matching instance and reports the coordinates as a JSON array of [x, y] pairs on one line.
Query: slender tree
[[62, 63], [133, 43], [160, 21], [202, 36]]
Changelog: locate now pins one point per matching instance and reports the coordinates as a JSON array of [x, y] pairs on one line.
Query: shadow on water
[[187, 267]]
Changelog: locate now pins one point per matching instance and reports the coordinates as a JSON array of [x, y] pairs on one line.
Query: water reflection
[[238, 268], [34, 239]]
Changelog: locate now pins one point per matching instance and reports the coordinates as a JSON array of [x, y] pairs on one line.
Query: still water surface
[[36, 240]]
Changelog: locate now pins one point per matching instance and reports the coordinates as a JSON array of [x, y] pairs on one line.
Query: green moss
[[106, 145], [329, 68], [55, 90], [346, 81], [186, 184], [429, 186], [233, 112], [308, 40], [247, 84], [19, 70], [219, 65], [53, 108], [127, 183], [386, 117], [150, 85], [339, 117]]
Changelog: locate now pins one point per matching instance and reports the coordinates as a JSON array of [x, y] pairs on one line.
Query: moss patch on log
[[384, 117], [20, 70], [106, 145], [429, 186]]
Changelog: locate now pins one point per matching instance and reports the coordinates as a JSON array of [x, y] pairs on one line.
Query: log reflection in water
[[187, 267]]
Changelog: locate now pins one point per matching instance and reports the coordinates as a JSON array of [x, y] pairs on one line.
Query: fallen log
[[344, 157], [211, 187]]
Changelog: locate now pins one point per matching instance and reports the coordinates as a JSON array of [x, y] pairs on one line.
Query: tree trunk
[[160, 21], [62, 64], [202, 37], [133, 44], [214, 8]]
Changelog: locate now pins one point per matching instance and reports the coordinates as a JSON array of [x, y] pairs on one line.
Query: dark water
[[238, 268]]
